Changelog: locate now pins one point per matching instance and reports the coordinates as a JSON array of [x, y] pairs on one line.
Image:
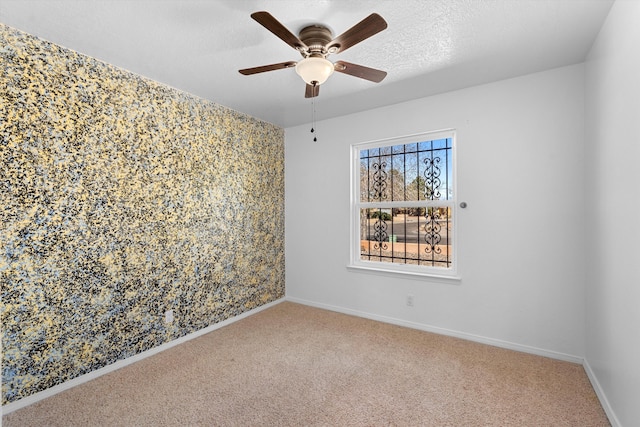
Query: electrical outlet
[[410, 300], [168, 316]]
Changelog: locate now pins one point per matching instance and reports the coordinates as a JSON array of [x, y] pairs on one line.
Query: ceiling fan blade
[[312, 91], [272, 24], [361, 71], [272, 67], [364, 29]]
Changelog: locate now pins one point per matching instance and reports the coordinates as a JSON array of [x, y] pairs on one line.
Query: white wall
[[520, 159], [613, 230]]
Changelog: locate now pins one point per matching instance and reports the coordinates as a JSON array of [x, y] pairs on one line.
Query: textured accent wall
[[121, 198]]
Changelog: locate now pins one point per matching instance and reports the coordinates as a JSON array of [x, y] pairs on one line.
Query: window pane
[[398, 149], [397, 178], [440, 143], [419, 171], [410, 172], [364, 179], [377, 176], [418, 236], [411, 148], [435, 170], [414, 182]]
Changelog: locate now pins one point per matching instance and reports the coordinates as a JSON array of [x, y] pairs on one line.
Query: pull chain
[[313, 119]]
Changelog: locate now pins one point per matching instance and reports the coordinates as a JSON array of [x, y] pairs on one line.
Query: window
[[403, 205]]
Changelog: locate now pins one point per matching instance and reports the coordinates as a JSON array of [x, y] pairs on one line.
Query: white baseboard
[[601, 396], [443, 331], [29, 400]]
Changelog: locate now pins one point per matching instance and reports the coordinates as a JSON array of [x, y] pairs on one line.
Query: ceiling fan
[[315, 43]]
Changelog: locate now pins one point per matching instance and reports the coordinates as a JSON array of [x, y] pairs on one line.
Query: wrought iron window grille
[[406, 201]]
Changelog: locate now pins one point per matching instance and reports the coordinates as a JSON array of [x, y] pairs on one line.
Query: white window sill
[[404, 273]]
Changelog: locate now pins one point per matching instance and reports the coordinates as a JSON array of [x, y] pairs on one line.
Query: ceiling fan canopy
[[315, 43]]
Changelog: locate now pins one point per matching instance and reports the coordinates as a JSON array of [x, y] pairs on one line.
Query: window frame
[[407, 270]]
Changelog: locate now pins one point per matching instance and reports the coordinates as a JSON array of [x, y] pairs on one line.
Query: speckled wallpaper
[[121, 198]]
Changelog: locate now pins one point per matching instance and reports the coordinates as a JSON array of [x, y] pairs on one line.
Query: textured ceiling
[[430, 46]]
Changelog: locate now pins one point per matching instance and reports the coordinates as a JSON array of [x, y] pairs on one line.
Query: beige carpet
[[292, 365]]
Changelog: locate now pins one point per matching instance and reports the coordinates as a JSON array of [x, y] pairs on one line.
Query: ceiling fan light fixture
[[314, 69]]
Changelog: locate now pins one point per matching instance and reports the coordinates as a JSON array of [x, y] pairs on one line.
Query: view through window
[[405, 202]]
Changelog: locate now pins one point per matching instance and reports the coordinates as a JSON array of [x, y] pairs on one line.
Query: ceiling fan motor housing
[[316, 37]]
